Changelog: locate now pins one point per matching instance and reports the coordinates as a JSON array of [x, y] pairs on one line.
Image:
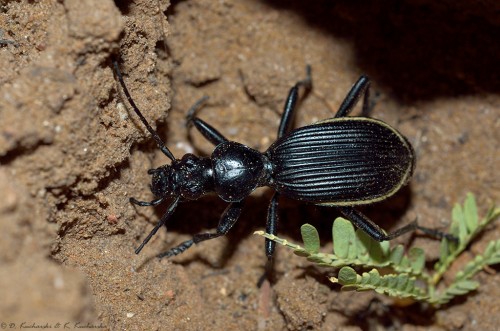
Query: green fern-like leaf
[[466, 226], [310, 237], [343, 235], [490, 256], [397, 285], [461, 287], [354, 247], [402, 271]]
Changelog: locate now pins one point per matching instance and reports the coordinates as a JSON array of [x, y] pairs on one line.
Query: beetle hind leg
[[373, 230], [360, 88], [437, 234]]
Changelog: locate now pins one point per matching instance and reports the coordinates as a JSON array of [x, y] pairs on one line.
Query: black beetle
[[340, 162]]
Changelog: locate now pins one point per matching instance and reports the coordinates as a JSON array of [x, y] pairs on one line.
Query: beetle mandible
[[340, 162]]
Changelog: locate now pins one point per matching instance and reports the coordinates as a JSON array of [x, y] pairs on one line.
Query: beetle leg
[[208, 131], [437, 234], [366, 225], [291, 100], [155, 202], [271, 228], [227, 220], [373, 230], [361, 87], [161, 222], [272, 224]]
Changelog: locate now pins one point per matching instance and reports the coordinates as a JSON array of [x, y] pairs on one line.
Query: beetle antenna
[[155, 135]]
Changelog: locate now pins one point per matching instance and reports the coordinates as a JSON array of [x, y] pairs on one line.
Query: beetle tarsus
[[268, 273], [176, 250], [438, 234]]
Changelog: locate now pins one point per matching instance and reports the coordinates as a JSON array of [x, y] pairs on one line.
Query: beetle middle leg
[[227, 220], [284, 127]]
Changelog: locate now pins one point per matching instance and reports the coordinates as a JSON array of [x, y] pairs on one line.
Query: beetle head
[[162, 183]]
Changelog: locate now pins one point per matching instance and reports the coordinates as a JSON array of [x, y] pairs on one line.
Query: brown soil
[[71, 154]]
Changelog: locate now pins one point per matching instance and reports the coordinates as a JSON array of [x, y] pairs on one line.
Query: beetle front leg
[[208, 131], [161, 222], [227, 220], [155, 202]]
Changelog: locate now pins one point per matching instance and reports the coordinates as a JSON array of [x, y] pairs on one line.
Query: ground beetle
[[340, 162]]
